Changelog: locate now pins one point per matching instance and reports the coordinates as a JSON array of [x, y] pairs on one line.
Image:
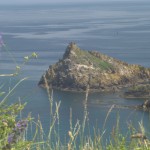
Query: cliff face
[[79, 69]]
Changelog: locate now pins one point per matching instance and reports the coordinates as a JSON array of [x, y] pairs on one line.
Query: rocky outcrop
[[139, 91], [79, 69], [145, 106]]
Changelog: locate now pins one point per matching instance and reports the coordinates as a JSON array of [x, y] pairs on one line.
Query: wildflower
[[1, 40], [11, 138], [26, 58], [21, 125], [17, 68], [34, 55], [17, 131]]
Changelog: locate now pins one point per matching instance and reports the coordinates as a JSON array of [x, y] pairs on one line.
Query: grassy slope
[[84, 57]]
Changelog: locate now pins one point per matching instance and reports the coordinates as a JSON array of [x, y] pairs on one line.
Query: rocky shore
[[139, 91], [79, 69]]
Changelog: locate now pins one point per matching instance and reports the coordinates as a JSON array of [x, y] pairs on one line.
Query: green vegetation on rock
[[85, 57]]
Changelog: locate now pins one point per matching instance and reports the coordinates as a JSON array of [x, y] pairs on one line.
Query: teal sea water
[[119, 29]]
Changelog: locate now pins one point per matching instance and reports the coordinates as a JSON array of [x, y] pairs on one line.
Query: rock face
[[79, 69]]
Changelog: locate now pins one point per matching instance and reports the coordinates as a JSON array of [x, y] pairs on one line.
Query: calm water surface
[[119, 29]]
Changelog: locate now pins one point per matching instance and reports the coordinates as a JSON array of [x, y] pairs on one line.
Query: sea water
[[120, 29]]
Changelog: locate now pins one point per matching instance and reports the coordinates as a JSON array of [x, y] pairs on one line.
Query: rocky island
[[79, 69]]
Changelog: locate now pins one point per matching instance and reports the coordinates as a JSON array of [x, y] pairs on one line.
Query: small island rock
[[79, 69]]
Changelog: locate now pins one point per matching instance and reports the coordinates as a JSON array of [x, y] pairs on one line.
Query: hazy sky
[[54, 1], [41, 1], [50, 1]]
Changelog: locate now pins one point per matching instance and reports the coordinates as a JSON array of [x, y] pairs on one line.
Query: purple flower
[[18, 125], [17, 131], [11, 138], [21, 124], [1, 40]]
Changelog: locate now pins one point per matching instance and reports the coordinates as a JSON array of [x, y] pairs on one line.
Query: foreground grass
[[14, 128], [13, 131]]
